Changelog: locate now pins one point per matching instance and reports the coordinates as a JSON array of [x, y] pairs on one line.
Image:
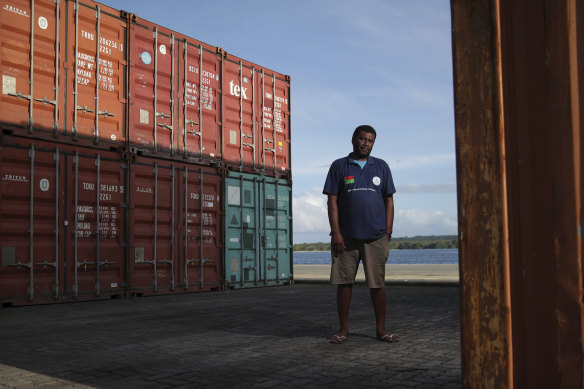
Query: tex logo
[[349, 180]]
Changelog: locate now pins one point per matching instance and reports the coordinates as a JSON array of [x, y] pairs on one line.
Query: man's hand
[[337, 243]]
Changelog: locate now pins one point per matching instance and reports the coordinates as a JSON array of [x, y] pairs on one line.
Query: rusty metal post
[[519, 69], [485, 310]]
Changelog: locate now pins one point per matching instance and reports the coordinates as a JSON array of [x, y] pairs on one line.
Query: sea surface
[[424, 256]]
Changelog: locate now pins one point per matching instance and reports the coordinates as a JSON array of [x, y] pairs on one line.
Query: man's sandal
[[388, 338], [338, 339]]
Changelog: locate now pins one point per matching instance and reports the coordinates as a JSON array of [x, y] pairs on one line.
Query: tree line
[[405, 243]]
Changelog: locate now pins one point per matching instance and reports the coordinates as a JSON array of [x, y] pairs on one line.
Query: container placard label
[[233, 195]]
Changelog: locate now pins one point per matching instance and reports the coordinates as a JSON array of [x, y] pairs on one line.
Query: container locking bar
[[97, 225], [57, 160], [76, 225], [173, 221], [98, 75], [31, 154], [201, 235], [155, 232]]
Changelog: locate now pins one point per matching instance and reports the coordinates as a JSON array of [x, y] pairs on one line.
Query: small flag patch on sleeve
[[349, 180]]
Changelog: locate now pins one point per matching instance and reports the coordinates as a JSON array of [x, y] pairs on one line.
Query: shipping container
[[31, 201], [192, 100], [94, 223], [258, 231], [174, 93], [256, 119], [176, 229], [62, 222], [63, 68]]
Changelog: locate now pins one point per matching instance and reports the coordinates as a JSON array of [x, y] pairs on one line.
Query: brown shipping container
[[62, 219], [174, 94], [256, 118], [94, 223], [31, 202], [63, 72], [166, 254]]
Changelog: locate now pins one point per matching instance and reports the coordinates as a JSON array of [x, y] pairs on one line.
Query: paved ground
[[250, 338]]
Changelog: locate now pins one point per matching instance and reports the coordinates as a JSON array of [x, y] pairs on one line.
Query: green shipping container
[[258, 231]]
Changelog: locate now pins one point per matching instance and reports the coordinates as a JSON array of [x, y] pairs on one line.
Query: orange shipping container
[[63, 67], [256, 119], [174, 93]]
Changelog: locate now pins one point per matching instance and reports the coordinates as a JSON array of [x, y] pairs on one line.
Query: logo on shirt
[[376, 180], [349, 180]]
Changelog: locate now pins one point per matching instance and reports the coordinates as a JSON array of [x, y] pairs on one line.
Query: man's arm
[[337, 242], [389, 215]]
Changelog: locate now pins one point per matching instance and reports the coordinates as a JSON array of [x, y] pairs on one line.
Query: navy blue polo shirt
[[360, 196]]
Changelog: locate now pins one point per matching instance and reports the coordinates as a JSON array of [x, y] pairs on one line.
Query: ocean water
[[425, 256]]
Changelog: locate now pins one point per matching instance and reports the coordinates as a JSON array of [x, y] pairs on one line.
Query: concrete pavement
[[250, 338]]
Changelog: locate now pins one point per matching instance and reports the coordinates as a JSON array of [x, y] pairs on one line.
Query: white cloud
[[310, 212], [412, 222]]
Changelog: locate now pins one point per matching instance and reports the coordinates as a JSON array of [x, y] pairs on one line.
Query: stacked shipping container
[[123, 147]]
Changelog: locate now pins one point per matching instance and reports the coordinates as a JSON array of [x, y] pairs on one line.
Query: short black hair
[[364, 128]]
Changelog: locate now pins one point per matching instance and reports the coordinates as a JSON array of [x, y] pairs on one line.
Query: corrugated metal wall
[[518, 70]]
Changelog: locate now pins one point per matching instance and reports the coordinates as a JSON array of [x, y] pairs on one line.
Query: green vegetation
[[410, 243]]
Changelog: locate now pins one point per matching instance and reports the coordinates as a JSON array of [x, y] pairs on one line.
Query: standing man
[[360, 209]]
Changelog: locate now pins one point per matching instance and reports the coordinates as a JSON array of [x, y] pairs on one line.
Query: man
[[360, 209]]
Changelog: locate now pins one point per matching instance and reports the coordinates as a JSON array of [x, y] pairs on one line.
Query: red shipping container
[[62, 218], [174, 93], [201, 228], [31, 194], [63, 72], [94, 220], [256, 119], [166, 254]]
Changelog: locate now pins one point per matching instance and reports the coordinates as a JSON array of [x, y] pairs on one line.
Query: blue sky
[[384, 63]]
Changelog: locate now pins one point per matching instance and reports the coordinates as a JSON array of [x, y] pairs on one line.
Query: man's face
[[362, 144]]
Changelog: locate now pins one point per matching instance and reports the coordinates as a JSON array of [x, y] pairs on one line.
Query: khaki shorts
[[374, 254]]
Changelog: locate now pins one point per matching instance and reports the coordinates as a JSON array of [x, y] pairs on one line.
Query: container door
[[274, 138], [201, 264], [243, 267], [153, 77], [29, 67], [96, 211], [240, 114], [200, 102], [31, 269], [276, 226], [95, 92], [152, 258]]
